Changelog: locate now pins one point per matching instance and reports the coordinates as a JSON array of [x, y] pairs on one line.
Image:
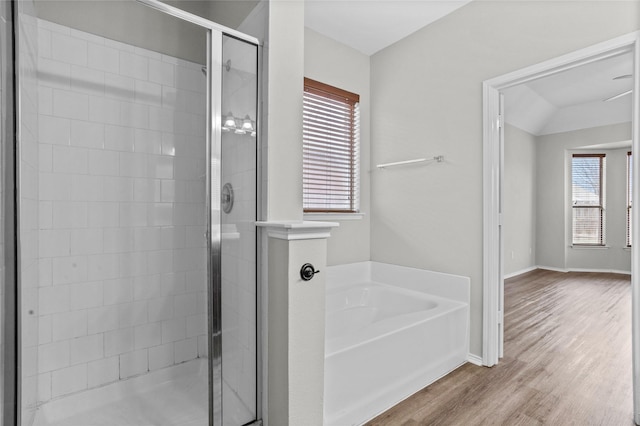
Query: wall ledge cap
[[297, 230]]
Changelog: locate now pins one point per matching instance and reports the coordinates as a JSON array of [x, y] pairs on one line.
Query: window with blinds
[[629, 196], [588, 199], [330, 149]]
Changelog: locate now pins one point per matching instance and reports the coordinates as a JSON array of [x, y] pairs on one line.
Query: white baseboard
[[552, 268], [520, 272], [474, 359], [565, 270], [606, 271]]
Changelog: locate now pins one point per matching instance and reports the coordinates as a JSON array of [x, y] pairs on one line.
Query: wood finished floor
[[567, 360]]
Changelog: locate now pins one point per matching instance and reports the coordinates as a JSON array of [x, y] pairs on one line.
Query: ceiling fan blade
[[619, 95]]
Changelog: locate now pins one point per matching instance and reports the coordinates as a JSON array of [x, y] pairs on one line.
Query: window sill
[[333, 216], [585, 247]]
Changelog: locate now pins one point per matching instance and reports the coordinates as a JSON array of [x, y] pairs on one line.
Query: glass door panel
[[238, 216]]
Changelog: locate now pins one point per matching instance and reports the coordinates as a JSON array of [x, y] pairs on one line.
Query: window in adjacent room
[[629, 199], [588, 199], [330, 149]]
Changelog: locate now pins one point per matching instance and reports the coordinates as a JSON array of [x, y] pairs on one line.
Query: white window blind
[[629, 196], [588, 199], [330, 149]]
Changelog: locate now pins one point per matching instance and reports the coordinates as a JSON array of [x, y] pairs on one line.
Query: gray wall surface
[[133, 23], [333, 63], [519, 206], [537, 200], [554, 200], [431, 216]]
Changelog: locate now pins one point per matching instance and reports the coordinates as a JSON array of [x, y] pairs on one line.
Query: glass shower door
[[238, 216], [129, 162]]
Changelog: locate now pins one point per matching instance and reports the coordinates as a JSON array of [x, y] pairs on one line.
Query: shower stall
[[136, 181]]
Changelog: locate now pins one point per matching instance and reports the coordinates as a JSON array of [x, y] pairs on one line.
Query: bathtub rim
[[412, 278], [444, 307]]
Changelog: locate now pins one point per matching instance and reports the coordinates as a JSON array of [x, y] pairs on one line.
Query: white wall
[[121, 21], [554, 200], [231, 14], [129, 21], [283, 75], [427, 100], [284, 53], [334, 63], [519, 200]]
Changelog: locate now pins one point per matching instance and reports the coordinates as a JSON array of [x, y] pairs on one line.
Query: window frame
[[601, 202], [334, 94]]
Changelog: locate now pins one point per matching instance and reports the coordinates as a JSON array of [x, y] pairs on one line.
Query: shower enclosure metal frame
[[9, 330], [214, 66], [215, 33]]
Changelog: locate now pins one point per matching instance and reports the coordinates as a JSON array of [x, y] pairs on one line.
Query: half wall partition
[[137, 208]]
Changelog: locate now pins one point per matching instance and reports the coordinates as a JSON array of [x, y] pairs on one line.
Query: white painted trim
[[474, 359], [520, 272], [635, 223], [333, 216], [491, 224], [492, 183], [584, 56], [297, 230], [605, 271], [553, 268], [585, 247], [595, 270]]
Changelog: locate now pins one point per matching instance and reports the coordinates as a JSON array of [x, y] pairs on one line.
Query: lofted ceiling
[[371, 25], [573, 99], [569, 100]]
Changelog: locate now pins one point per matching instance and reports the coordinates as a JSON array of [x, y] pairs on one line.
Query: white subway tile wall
[[120, 249]]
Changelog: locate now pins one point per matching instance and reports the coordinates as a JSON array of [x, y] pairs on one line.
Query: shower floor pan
[[173, 396]]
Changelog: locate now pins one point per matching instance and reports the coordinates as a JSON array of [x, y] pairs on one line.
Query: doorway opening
[[494, 256]]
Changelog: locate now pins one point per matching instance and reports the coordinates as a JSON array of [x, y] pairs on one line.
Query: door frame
[[493, 169]]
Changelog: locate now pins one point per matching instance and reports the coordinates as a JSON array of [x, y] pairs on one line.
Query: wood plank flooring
[[567, 360]]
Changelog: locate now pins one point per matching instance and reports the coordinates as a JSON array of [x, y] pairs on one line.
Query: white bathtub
[[390, 331]]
